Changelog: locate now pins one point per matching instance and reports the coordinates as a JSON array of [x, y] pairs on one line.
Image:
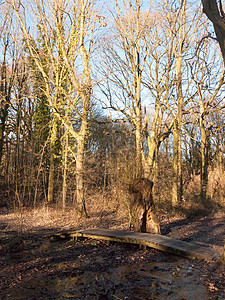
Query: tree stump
[[142, 211]]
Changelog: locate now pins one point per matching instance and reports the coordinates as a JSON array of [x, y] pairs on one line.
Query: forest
[[94, 94], [104, 104]]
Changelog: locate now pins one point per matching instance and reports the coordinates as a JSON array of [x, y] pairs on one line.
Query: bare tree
[[208, 81], [158, 82], [135, 78], [9, 40], [125, 53], [68, 30], [181, 29]]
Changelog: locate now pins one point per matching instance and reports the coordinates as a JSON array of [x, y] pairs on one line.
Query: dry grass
[[216, 186], [215, 190], [28, 220], [109, 208], [104, 212]]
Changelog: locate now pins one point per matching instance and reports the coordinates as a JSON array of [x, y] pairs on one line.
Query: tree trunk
[[2, 132], [51, 178], [65, 157], [210, 8], [177, 168], [216, 16], [53, 148], [178, 34], [137, 85], [5, 94], [139, 167], [220, 159], [151, 159], [177, 189], [81, 205], [204, 160]]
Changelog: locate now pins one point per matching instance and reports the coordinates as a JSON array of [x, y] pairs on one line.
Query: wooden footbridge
[[156, 241]]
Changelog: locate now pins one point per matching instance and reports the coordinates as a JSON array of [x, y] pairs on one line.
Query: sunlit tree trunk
[[137, 80], [204, 154], [177, 153], [52, 159], [177, 165], [178, 34], [51, 178], [151, 160], [139, 118], [18, 175], [81, 140], [65, 168]]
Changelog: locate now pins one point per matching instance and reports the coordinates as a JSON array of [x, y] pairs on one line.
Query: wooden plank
[[156, 241]]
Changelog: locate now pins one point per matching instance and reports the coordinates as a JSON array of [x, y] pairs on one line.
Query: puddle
[[160, 280]]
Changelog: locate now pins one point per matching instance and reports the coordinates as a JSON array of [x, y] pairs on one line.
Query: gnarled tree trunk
[[143, 216], [215, 13]]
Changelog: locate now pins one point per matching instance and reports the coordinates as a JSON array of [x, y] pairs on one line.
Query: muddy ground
[[33, 266]]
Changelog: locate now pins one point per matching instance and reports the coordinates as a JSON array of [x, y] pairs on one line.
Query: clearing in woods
[[34, 267]]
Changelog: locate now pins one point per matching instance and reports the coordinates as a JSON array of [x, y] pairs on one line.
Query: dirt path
[[33, 267]]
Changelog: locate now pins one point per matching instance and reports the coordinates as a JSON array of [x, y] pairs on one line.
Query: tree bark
[[139, 167], [177, 168], [177, 189], [53, 153], [216, 15], [81, 206], [151, 159], [6, 84], [204, 159], [51, 178], [65, 167]]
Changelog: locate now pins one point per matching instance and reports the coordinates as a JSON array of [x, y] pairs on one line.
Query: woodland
[[96, 94]]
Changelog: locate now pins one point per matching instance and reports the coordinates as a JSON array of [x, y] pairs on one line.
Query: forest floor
[[34, 267]]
